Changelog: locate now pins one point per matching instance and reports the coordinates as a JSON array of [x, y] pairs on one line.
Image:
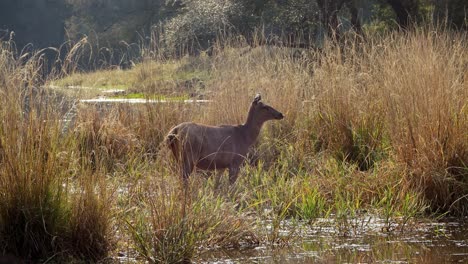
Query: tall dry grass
[[401, 98], [426, 95], [173, 225], [41, 216], [398, 99]]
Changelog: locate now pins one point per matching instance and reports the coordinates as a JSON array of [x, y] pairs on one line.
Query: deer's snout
[[279, 116]]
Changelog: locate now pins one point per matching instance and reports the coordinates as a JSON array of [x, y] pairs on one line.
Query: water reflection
[[440, 242]]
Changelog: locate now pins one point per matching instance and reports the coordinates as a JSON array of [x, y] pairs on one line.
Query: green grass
[[147, 78], [104, 79]]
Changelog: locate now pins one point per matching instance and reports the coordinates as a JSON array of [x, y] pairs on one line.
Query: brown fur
[[218, 147]]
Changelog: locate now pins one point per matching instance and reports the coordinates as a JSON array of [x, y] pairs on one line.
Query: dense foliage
[[47, 23]]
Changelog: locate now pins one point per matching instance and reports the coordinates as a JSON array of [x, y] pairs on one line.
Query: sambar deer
[[218, 147]]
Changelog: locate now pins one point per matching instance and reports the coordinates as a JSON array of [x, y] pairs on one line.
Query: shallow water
[[364, 241], [139, 101]]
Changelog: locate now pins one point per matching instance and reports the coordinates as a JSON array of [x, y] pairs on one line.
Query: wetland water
[[366, 241]]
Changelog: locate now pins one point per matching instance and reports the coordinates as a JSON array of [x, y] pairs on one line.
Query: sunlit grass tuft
[[173, 226], [39, 220]]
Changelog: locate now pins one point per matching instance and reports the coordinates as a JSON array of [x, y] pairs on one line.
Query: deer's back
[[212, 146]]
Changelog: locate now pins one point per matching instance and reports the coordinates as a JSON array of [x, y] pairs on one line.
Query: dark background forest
[[114, 23]]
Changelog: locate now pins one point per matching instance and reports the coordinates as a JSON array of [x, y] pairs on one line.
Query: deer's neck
[[252, 127]]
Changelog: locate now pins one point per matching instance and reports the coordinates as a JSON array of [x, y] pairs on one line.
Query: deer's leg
[[233, 173], [217, 178], [187, 167]]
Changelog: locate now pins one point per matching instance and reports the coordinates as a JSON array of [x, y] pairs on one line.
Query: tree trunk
[[329, 16], [406, 11], [355, 22]]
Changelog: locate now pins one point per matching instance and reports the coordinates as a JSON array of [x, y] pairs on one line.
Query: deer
[[221, 147]]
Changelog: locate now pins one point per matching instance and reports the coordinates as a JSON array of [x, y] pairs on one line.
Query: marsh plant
[[51, 208], [174, 225]]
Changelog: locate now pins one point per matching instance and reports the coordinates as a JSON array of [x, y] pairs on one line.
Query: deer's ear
[[257, 98]]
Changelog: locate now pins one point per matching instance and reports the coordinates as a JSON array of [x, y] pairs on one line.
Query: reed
[[39, 219]]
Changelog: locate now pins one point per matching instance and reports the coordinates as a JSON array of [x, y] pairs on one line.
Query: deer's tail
[[173, 143]]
